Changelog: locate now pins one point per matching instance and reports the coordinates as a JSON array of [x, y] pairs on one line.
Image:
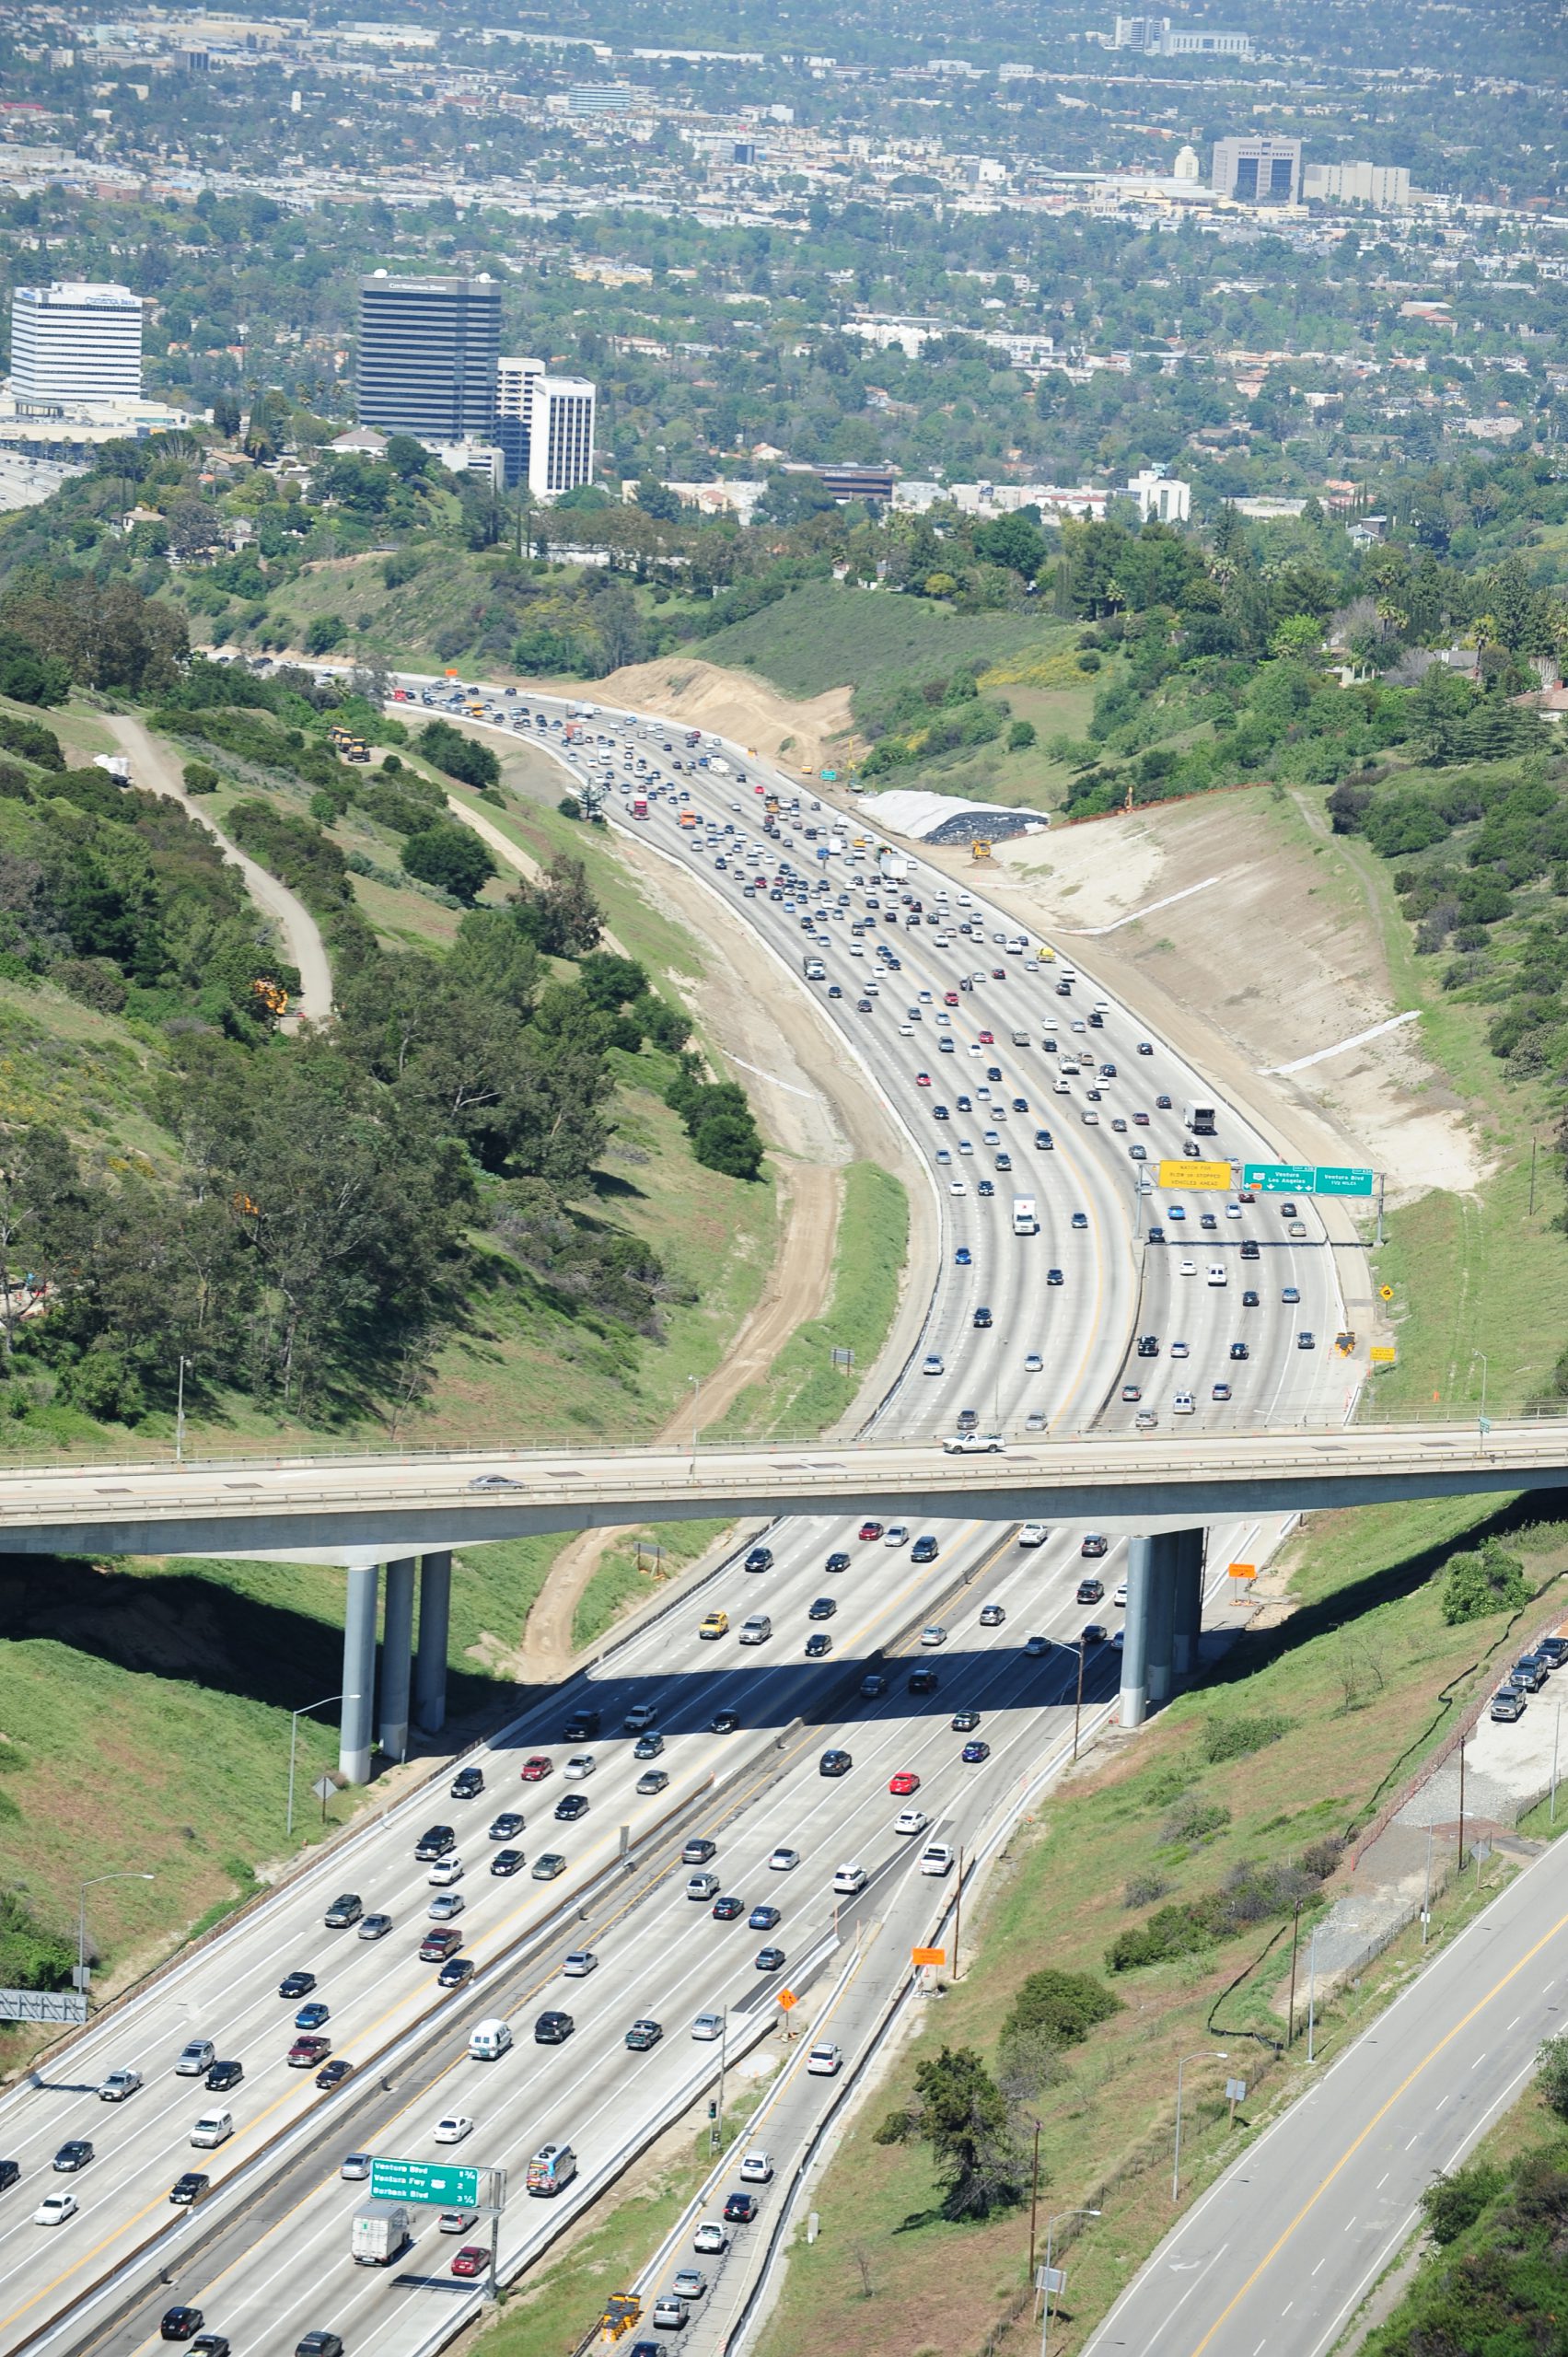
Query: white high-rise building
[[545, 424], [75, 345]]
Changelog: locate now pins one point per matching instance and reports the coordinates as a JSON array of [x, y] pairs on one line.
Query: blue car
[[763, 1918], [313, 2015], [963, 1258]]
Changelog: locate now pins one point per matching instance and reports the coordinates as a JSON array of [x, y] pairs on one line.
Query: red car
[[988, 1038], [949, 998], [923, 1080], [307, 2051], [871, 1530], [536, 1770], [903, 1784], [473, 2259]]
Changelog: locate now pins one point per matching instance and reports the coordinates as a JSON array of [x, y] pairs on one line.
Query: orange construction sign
[[928, 1956], [789, 2000], [1243, 1570]]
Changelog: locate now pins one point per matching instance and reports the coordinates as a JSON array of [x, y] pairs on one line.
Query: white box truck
[[1026, 1219], [1200, 1119], [379, 2234]]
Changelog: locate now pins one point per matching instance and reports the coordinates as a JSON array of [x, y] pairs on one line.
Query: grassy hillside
[[827, 636]]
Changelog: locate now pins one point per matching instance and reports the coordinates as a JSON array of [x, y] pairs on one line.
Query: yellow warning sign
[[1385, 1292], [1383, 1354], [1195, 1178]]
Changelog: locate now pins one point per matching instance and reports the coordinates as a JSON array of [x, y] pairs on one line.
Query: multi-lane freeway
[[986, 1619]]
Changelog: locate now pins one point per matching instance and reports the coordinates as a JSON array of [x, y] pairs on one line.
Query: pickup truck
[[118, 2085]]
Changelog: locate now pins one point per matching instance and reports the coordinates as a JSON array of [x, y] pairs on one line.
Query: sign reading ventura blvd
[[425, 2181], [1303, 1178]]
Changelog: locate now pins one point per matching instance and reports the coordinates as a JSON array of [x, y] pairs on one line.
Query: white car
[[896, 1535], [1179, 1351], [449, 1903], [579, 1964], [824, 2061], [784, 1860], [931, 1364], [1034, 1364], [707, 2027], [1187, 1268], [934, 1633], [54, 2209], [937, 1858], [1182, 1404], [911, 1821], [1119, 1593], [848, 1880], [1033, 1534], [757, 2168], [445, 1871], [957, 1186], [580, 1764]]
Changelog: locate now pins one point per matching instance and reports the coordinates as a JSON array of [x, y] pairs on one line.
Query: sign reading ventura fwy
[[1303, 1178], [427, 2181]]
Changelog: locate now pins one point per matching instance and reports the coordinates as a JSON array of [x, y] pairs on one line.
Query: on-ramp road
[[1278, 2255]]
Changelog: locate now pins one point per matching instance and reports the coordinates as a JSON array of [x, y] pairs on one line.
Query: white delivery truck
[[1200, 1119], [488, 2040], [379, 2234], [1026, 1219], [117, 764]]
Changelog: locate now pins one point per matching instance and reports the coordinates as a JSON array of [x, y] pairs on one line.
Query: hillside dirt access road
[[799, 1282], [153, 767]]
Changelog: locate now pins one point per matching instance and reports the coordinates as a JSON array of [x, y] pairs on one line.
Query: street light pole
[[295, 1717], [1311, 1991], [1033, 2194], [180, 1416], [1078, 1705], [1218, 2054], [696, 1383], [91, 1882], [1052, 2225]]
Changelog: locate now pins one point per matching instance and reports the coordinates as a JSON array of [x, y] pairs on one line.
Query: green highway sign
[[1302, 1178], [1278, 1178], [1330, 1180], [425, 2181]]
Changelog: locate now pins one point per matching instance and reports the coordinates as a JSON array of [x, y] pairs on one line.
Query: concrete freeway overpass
[[408, 1513]]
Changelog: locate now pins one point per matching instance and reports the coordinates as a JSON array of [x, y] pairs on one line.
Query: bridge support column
[[357, 1715], [1189, 1620], [1162, 1613], [434, 1624], [1136, 1636], [397, 1658]]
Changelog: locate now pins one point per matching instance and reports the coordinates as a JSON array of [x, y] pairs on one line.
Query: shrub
[[1065, 2004], [1451, 2204], [729, 1143], [1088, 660], [200, 777], [569, 807], [1193, 1819], [1551, 2075], [103, 1385], [1481, 1581], [325, 633], [1183, 1929], [461, 757], [31, 740], [1143, 1889], [1235, 1738], [451, 858], [1021, 735]]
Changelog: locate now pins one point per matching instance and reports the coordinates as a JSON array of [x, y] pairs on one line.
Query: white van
[[757, 1630], [488, 2040], [848, 1880], [1217, 1272], [212, 2127]]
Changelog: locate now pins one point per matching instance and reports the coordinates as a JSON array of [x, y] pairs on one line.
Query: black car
[[1250, 1299], [760, 1559], [1250, 1249], [1240, 1350], [1148, 1346], [642, 2035], [434, 1842], [723, 1722], [224, 2075], [468, 1784], [180, 2324], [873, 1686], [10, 2172], [582, 1726], [73, 2154], [455, 1971], [837, 1561], [1163, 1103], [506, 1862], [1528, 1671], [187, 2190], [924, 1551], [819, 1645], [835, 1763], [320, 2344], [726, 1909], [647, 1747], [822, 1608], [1053, 1277], [553, 2028], [1554, 1650], [334, 2074], [507, 1826], [740, 2210], [570, 1807], [1090, 1591], [922, 1682], [296, 1985]]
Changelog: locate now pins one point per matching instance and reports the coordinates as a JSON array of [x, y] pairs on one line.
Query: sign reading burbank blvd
[[424, 2181], [1302, 1178]]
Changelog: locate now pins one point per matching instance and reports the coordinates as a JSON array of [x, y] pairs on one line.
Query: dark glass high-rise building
[[427, 354]]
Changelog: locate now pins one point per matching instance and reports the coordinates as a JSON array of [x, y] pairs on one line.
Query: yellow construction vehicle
[[979, 848]]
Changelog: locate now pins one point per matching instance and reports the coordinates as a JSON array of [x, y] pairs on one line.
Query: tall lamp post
[[294, 1716], [1052, 2225], [1214, 2053], [90, 1884]]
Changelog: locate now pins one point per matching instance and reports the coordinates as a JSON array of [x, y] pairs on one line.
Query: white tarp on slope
[[942, 818]]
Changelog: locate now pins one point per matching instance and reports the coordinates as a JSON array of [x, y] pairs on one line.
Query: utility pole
[[958, 1911], [1461, 1867], [715, 2133], [1078, 1705], [180, 1416], [1294, 1938]]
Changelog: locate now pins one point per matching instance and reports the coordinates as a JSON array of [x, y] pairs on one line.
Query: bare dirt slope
[[1236, 915], [805, 735]]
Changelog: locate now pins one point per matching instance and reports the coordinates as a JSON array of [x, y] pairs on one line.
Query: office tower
[[75, 345], [545, 424], [1257, 171], [428, 354]]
